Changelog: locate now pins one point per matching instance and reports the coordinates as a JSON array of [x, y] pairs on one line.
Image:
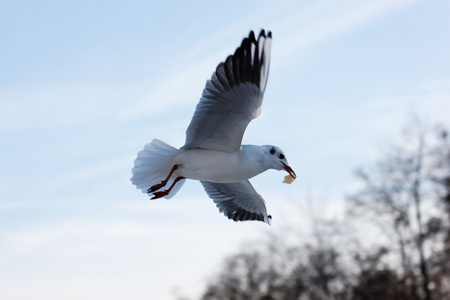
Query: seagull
[[213, 153]]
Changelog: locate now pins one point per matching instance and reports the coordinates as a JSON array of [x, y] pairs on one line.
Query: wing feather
[[232, 97], [237, 200]]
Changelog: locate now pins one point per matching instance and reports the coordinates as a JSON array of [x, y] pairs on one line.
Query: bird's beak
[[289, 170]]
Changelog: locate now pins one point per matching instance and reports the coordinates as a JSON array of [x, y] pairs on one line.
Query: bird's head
[[277, 160]]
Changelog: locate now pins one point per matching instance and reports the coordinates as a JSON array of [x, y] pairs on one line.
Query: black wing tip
[[251, 37], [244, 65], [263, 34], [241, 214]]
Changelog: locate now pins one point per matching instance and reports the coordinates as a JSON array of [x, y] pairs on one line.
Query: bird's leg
[[164, 182], [166, 192]]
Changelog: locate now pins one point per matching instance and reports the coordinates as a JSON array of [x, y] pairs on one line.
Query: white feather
[[152, 166]]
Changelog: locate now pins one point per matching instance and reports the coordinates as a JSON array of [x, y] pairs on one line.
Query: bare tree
[[246, 275], [396, 193], [275, 270]]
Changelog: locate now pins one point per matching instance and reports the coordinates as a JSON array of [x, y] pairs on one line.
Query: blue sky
[[85, 84]]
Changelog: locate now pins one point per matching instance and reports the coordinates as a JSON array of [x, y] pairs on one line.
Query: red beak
[[289, 170]]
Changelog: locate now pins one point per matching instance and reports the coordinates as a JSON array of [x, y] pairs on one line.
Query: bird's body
[[221, 167], [213, 153]]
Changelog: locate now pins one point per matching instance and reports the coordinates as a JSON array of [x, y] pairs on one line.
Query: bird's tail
[[152, 166]]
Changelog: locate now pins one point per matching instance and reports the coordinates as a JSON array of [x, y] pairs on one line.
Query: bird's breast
[[216, 166]]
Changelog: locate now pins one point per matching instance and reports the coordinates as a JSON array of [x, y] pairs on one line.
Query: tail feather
[[153, 164]]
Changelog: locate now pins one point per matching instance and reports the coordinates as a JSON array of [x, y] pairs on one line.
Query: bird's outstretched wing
[[237, 200], [232, 97]]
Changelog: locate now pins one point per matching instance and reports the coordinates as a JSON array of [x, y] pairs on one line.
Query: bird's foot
[[157, 195], [160, 194], [156, 187], [163, 183]]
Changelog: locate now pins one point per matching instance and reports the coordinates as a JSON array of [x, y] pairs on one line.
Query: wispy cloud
[[296, 32], [62, 104], [325, 20], [30, 107]]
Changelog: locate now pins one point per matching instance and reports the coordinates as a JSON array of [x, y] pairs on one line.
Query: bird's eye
[[281, 156], [272, 151]]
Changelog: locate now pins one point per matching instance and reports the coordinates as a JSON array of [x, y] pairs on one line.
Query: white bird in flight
[[213, 152]]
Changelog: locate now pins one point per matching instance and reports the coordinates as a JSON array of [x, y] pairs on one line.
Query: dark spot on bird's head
[[281, 156], [272, 151]]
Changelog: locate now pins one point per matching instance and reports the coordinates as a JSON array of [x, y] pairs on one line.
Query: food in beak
[[291, 177], [288, 179]]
